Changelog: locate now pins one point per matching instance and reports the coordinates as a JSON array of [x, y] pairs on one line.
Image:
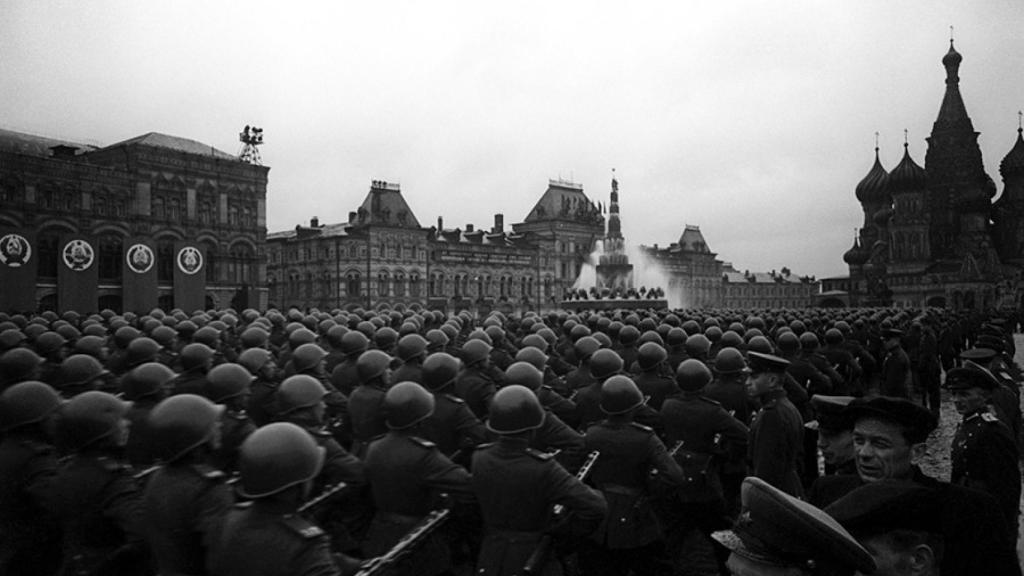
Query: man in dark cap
[[1005, 398], [835, 433], [896, 377], [776, 431], [889, 434], [899, 523], [778, 535], [984, 453]]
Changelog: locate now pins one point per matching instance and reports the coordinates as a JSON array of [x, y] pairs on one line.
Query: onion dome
[[1013, 164], [874, 186], [952, 59], [856, 255], [907, 176], [990, 187], [882, 217]]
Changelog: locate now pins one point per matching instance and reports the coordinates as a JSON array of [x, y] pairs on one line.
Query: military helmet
[[11, 338], [254, 359], [515, 409], [788, 342], [90, 417], [49, 342], [181, 423], [760, 344], [629, 335], [619, 394], [407, 404], [149, 379], [578, 331], [207, 335], [18, 364], [650, 336], [440, 370], [335, 334], [307, 357], [691, 327], [80, 370], [586, 347], [301, 336], [697, 346], [436, 340], [27, 403], [496, 333], [533, 356], [650, 355], [195, 355], [254, 337], [185, 328], [227, 381], [371, 365], [91, 345], [731, 339], [605, 363], [475, 352], [676, 336], [535, 341], [297, 392], [834, 336], [385, 338], [411, 346], [95, 330], [524, 374], [809, 341], [354, 343], [692, 375], [141, 350], [276, 457], [164, 336], [729, 360], [713, 333]]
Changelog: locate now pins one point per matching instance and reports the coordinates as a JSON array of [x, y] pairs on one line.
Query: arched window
[[383, 284], [399, 284], [414, 285], [212, 263], [353, 284], [111, 248]]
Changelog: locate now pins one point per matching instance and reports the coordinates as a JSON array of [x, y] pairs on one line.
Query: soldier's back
[[29, 534]]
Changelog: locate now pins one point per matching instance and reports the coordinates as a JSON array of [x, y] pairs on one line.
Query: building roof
[[158, 140], [565, 201], [692, 240], [324, 231], [773, 277], [384, 205], [32, 145], [477, 237]]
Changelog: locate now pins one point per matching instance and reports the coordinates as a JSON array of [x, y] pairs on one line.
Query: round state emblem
[[78, 255], [140, 258], [190, 260], [15, 251]]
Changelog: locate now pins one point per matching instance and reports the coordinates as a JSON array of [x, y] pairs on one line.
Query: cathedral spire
[[952, 113], [614, 225]]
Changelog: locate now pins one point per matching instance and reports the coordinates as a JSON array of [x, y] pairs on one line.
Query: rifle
[[406, 544], [535, 563], [321, 497]]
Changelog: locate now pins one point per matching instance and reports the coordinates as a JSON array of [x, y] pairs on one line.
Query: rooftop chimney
[[499, 224], [440, 224], [351, 217], [469, 228], [314, 222]]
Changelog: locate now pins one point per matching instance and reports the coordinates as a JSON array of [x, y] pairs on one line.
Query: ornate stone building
[[130, 210], [772, 290], [693, 270], [932, 236]]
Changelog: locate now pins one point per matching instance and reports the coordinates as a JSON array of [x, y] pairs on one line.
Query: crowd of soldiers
[[417, 442]]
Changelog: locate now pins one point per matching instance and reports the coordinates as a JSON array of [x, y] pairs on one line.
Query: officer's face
[[759, 383], [883, 451], [968, 400], [836, 447], [740, 566]]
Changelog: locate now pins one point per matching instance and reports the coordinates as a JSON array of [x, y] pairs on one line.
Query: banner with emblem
[[140, 286], [77, 274], [189, 276], [19, 261]]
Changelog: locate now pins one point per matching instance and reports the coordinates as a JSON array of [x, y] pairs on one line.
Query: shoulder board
[[422, 442], [483, 446], [710, 401], [243, 505], [640, 426], [209, 472], [240, 415], [542, 456], [321, 433], [989, 417], [455, 398], [301, 526], [546, 387], [111, 465]]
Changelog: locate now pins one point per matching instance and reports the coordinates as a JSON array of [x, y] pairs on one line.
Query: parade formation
[[417, 442]]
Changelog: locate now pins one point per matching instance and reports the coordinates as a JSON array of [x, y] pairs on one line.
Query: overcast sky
[[754, 120]]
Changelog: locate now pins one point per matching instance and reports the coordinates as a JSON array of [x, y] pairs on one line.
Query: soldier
[[335, 352], [518, 486], [367, 399], [345, 377], [196, 360], [582, 376], [80, 373], [553, 435], [473, 385], [706, 435], [28, 462], [268, 537], [145, 386], [407, 476], [729, 386], [899, 523], [776, 431], [1004, 399], [651, 359], [631, 537], [929, 368], [452, 425], [602, 365], [836, 353], [186, 496], [229, 385], [984, 452], [896, 377], [779, 535], [411, 350], [19, 365], [261, 365], [835, 433], [94, 494], [549, 397]]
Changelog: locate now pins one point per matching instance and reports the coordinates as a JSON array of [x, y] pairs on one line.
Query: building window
[[414, 285], [383, 282], [353, 284], [165, 261], [110, 252], [399, 284]]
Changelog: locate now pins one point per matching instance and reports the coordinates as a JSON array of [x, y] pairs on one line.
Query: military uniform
[[984, 457], [182, 505], [476, 388], [657, 386], [367, 418], [345, 377], [517, 488], [235, 428], [266, 538], [407, 474], [453, 426], [29, 535], [896, 376], [776, 442], [631, 536], [560, 406], [100, 510], [408, 372], [553, 435], [140, 446]]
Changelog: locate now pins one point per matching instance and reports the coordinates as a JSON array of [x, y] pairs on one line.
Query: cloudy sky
[[754, 120]]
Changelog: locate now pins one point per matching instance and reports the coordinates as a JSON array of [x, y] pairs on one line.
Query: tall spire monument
[[614, 270]]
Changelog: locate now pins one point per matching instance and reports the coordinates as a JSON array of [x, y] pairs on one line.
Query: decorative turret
[[907, 176], [614, 225], [1012, 166], [872, 188], [1008, 213], [856, 255]]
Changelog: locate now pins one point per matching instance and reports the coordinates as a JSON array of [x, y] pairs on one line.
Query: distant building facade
[[154, 220], [781, 289], [693, 269], [932, 236]]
